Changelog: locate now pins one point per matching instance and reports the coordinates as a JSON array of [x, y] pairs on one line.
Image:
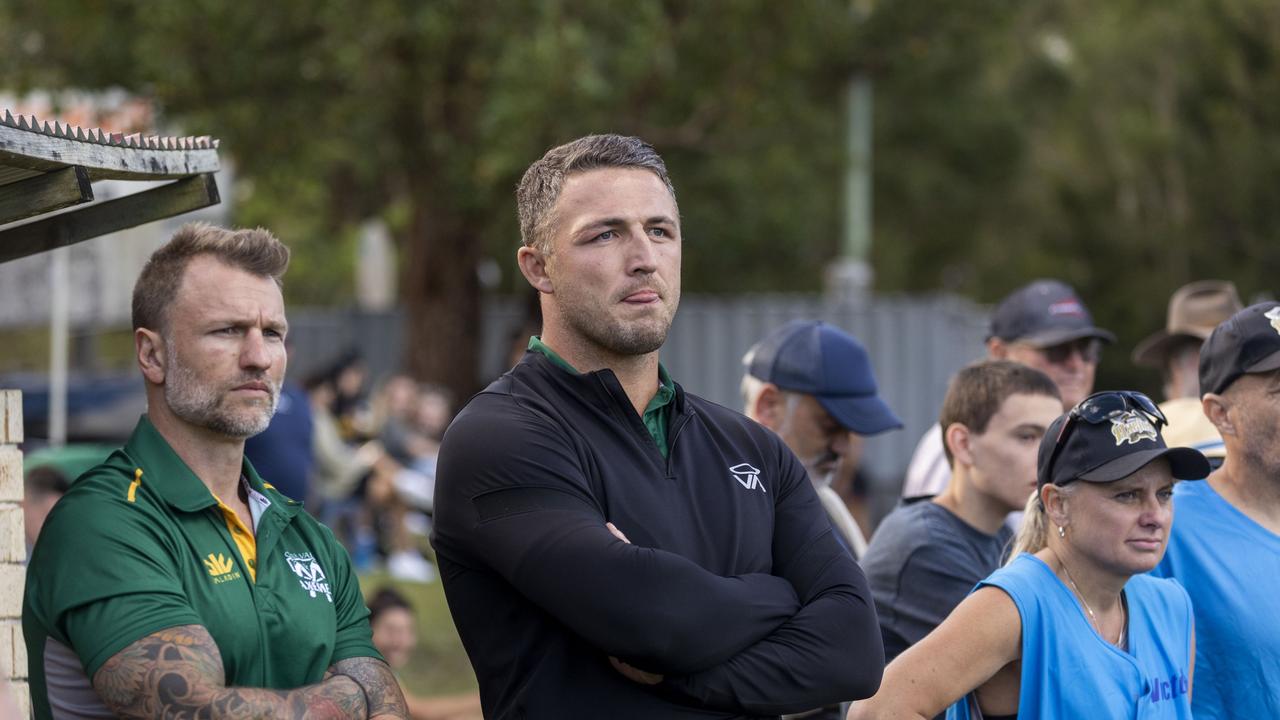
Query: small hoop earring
[[1062, 532]]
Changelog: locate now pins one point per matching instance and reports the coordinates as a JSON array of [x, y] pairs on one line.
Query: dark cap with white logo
[[1247, 342], [1043, 314], [1110, 437], [812, 357]]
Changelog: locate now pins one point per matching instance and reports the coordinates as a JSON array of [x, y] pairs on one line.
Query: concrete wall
[[13, 550]]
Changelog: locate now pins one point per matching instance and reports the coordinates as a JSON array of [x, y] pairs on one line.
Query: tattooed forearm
[[379, 684], [178, 673]]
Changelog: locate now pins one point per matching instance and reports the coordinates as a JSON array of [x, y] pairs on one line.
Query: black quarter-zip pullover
[[733, 588]]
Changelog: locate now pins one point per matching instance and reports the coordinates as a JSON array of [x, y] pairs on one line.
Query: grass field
[[439, 663]]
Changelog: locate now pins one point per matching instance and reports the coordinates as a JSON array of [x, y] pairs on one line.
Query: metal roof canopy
[[48, 168]]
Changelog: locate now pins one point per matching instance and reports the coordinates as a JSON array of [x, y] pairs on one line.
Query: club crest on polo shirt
[[309, 573], [747, 476], [1274, 316], [1131, 426]]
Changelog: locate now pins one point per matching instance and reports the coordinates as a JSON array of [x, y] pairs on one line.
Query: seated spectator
[[357, 484], [47, 475], [395, 635], [1072, 627], [930, 552], [416, 418]]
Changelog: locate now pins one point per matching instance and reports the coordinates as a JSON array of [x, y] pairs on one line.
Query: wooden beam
[[44, 193], [75, 226], [44, 152]]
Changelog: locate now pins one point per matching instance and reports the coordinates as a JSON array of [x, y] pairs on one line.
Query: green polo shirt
[[657, 413], [139, 544]]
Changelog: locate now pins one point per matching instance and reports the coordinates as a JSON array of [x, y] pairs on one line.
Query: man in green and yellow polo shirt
[[171, 580]]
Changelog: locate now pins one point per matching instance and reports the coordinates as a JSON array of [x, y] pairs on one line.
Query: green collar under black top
[[656, 414]]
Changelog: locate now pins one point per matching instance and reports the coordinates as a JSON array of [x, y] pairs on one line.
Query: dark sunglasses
[[1098, 408], [1090, 350]]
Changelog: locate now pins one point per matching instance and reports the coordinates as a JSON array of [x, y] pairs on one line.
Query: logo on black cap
[[1274, 316], [1131, 427]]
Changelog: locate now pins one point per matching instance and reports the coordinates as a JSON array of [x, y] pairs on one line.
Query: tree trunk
[[442, 298]]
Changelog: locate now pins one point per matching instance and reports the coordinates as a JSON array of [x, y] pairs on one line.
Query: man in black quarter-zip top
[[612, 546]]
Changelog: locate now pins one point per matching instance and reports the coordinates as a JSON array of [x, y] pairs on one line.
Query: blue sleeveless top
[[1069, 671]]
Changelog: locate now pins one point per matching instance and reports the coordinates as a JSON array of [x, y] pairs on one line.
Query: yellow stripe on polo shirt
[[245, 540]]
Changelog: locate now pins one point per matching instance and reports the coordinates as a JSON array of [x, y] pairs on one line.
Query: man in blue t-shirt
[[1226, 538]]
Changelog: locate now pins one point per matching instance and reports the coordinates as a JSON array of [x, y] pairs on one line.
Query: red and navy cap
[[1043, 314]]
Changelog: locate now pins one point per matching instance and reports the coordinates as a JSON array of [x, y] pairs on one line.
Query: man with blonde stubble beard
[[171, 580]]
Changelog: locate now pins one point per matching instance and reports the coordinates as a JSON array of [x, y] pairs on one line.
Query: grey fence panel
[[915, 343]]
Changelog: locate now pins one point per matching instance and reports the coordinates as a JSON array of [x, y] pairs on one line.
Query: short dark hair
[[387, 599], [540, 187], [976, 393], [255, 251], [45, 480]]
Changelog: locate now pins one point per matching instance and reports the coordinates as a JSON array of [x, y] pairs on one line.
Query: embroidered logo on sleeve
[[747, 476], [220, 568], [310, 574]]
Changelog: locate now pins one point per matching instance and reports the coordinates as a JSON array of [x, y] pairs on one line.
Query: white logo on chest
[[310, 574], [747, 476]]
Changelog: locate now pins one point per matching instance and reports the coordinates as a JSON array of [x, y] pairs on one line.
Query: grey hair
[[540, 187]]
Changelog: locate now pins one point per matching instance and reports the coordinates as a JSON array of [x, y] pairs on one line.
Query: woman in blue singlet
[[1071, 627]]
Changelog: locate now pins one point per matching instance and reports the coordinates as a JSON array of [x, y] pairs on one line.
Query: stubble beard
[[597, 327], [202, 405]]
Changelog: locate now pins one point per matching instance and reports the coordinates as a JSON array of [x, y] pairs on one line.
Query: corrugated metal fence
[[916, 343]]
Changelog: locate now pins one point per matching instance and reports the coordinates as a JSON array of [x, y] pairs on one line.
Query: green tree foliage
[[426, 113], [1124, 146]]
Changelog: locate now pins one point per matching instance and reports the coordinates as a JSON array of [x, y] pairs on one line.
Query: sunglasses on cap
[[1090, 350], [1099, 408]]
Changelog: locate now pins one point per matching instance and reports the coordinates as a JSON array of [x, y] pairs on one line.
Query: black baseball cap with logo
[[1044, 313], [1108, 436], [1246, 343]]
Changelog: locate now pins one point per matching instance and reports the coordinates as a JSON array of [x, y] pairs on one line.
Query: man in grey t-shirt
[[929, 553]]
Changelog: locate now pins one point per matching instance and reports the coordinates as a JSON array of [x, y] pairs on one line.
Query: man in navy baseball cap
[[1226, 539], [812, 384]]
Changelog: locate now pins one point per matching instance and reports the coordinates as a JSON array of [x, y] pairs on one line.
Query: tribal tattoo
[[381, 689], [177, 673]]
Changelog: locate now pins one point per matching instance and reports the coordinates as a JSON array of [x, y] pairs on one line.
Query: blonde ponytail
[[1034, 533]]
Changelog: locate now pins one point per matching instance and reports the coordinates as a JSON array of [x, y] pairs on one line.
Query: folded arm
[[829, 651], [517, 502], [178, 672], [979, 640]]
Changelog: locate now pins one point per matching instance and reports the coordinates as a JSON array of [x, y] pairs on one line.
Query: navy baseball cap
[[1043, 314], [1247, 342], [812, 357], [1112, 435]]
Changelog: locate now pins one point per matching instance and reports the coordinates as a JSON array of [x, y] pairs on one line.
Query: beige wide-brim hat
[[1194, 311]]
